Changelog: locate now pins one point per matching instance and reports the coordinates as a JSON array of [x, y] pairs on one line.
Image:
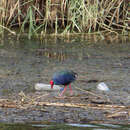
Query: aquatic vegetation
[[36, 17]]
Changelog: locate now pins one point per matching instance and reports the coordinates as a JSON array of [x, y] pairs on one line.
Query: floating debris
[[102, 86], [42, 86]]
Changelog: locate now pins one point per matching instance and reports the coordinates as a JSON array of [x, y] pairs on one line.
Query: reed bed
[[64, 16]]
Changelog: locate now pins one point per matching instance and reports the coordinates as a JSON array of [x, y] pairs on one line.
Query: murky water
[[64, 126], [23, 63], [100, 61]]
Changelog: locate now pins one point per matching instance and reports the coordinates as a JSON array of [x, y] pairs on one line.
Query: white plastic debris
[[102, 86], [42, 86]]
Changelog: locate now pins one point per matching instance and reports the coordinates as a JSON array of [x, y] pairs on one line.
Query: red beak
[[51, 83], [52, 86]]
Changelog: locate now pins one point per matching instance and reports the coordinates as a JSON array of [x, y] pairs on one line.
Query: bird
[[65, 78]]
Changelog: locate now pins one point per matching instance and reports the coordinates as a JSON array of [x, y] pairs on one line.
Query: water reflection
[[54, 126], [49, 53], [81, 50]]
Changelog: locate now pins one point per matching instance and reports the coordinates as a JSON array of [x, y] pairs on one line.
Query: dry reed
[[64, 16]]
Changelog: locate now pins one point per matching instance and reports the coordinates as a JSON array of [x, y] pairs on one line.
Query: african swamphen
[[64, 77]]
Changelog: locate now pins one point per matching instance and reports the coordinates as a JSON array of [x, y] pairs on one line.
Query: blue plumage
[[64, 77]]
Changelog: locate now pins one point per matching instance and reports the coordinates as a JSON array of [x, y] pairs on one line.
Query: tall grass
[[36, 17]]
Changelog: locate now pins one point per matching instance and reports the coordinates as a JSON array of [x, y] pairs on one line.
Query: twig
[[88, 92], [20, 105]]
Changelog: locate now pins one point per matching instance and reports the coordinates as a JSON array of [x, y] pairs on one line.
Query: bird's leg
[[63, 91], [71, 92]]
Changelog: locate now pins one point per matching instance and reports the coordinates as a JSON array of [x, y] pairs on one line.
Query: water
[[64, 127], [23, 63], [40, 59]]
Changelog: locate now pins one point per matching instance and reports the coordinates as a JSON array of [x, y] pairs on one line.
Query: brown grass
[[65, 16]]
